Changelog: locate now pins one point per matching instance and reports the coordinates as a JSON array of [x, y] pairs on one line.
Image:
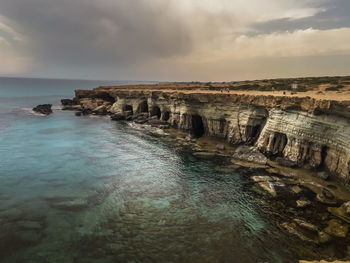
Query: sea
[[88, 189]]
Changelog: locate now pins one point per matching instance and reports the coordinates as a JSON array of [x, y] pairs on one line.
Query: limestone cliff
[[303, 132]]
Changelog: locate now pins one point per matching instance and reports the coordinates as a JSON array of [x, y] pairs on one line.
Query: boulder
[[250, 154], [43, 109]]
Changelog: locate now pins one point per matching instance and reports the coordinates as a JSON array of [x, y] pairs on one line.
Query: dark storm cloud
[[165, 39], [100, 32], [335, 15]]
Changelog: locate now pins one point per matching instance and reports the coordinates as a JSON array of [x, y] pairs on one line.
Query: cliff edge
[[309, 130]]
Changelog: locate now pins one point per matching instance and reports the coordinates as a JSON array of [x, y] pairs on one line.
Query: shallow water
[[85, 189]]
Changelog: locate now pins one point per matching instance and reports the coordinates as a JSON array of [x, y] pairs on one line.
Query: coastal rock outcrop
[[43, 109], [294, 131], [68, 104]]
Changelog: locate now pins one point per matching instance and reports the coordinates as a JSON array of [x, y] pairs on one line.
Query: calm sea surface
[[85, 189]]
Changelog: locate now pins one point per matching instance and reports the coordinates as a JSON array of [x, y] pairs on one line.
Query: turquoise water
[[85, 189]]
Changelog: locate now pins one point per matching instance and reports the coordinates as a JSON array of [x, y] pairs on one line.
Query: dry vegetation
[[334, 88]]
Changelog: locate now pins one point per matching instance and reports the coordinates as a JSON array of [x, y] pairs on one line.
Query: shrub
[[335, 88]]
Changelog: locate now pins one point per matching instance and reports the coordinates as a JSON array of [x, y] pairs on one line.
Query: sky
[[174, 40]]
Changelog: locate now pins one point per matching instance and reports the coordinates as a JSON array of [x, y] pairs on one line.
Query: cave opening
[[222, 125], [324, 151], [279, 142], [155, 111], [252, 133], [106, 97], [143, 107], [128, 108], [197, 126], [166, 116]]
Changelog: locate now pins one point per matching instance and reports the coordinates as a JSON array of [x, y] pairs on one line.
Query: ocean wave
[[56, 107], [27, 111]]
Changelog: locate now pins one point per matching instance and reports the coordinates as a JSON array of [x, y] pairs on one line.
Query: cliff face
[[303, 132]]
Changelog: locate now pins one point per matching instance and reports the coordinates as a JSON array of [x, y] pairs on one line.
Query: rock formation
[[295, 131], [43, 109]]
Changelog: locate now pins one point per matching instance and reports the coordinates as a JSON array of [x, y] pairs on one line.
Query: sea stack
[[43, 109]]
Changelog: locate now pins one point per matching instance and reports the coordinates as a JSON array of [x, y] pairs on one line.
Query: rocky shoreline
[[294, 131], [304, 170]]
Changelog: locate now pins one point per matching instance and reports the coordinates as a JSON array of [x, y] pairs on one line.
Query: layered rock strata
[[300, 132]]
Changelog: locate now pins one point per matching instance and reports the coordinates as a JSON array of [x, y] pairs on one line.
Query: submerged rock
[[43, 109]]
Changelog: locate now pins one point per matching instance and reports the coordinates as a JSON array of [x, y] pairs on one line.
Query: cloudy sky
[[174, 39]]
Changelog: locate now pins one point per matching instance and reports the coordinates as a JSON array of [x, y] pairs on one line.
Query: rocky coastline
[[299, 146], [294, 131]]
